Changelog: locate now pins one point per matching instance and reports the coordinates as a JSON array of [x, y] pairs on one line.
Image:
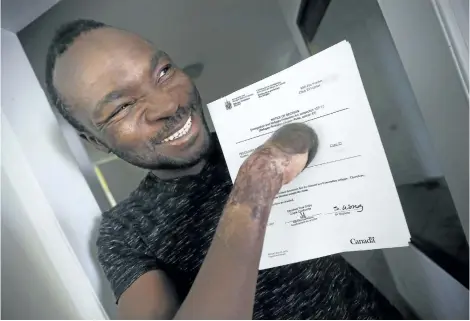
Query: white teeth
[[183, 131]]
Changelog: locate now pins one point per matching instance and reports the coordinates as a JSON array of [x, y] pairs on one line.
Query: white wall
[[392, 101], [26, 263], [430, 66], [41, 276], [430, 291], [290, 10], [25, 107], [409, 86], [17, 14], [454, 19]]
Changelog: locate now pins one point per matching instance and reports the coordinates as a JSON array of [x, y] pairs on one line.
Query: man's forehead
[[99, 60]]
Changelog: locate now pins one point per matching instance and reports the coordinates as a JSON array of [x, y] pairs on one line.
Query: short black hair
[[64, 37]]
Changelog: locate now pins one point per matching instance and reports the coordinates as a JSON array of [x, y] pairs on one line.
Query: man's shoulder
[[116, 222], [123, 214], [147, 200]]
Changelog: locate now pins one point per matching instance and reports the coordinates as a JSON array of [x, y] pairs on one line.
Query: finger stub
[[296, 138]]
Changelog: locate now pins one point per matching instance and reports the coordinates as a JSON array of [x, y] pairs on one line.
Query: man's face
[[132, 99]]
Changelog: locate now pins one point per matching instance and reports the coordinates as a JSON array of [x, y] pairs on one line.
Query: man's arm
[[151, 297], [225, 285]]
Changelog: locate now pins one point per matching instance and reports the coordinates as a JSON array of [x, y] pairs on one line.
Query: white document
[[345, 200]]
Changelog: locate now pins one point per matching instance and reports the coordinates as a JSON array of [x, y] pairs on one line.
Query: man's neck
[[176, 173]]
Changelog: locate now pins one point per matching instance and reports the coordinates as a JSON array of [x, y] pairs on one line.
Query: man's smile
[[182, 131]]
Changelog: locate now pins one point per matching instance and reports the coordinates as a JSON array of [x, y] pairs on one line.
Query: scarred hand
[[284, 155], [275, 163]]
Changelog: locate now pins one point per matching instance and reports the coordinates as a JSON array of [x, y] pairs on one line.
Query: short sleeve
[[123, 256]]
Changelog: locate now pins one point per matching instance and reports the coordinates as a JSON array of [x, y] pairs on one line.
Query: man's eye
[[124, 106], [164, 71]]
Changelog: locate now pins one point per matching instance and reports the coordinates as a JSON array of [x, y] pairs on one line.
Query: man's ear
[[95, 142]]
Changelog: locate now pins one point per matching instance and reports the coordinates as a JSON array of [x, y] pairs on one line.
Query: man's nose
[[160, 105]]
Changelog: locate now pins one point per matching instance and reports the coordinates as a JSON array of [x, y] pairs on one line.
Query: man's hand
[[275, 163], [288, 150]]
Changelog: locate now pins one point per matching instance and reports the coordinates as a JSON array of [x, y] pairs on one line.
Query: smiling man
[[186, 243]]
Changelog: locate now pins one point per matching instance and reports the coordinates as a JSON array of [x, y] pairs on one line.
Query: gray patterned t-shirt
[[169, 225]]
